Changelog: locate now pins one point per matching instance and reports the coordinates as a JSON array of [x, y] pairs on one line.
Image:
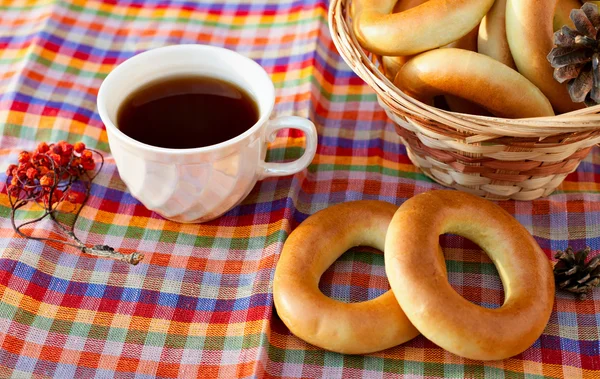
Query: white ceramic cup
[[199, 184]]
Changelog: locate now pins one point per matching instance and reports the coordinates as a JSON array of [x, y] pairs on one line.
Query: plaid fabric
[[200, 304]]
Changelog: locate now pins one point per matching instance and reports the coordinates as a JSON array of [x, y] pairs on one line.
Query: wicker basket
[[496, 158]]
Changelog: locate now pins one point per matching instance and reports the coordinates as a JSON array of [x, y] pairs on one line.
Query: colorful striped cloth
[[200, 304]]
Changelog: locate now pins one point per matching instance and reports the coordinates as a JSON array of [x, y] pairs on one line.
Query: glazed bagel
[[457, 104], [474, 77], [391, 65], [350, 328], [417, 29], [491, 40], [435, 308], [529, 32]]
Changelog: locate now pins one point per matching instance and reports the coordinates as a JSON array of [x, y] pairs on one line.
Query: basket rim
[[582, 120]]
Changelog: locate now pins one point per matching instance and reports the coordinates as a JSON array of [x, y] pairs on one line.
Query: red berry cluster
[[47, 173]]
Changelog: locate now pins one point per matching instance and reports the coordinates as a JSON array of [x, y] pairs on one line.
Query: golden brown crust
[[351, 328], [474, 77], [562, 12], [492, 40], [417, 29], [466, 42], [529, 33], [432, 305], [391, 65], [457, 104]]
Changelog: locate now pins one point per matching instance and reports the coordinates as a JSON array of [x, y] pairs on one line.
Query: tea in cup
[[188, 127]]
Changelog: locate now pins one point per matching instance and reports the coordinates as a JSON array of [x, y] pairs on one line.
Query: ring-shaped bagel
[[435, 308], [474, 77], [529, 32], [491, 40], [429, 25], [350, 328]]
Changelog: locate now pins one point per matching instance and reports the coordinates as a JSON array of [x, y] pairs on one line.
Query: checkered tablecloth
[[200, 304]]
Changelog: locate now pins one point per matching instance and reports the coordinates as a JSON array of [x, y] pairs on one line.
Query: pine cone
[[573, 274], [576, 56]]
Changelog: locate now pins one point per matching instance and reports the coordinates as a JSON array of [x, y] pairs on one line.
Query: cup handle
[[292, 122]]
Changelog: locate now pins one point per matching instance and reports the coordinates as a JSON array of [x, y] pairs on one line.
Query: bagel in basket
[[392, 64], [492, 40], [529, 31], [474, 77], [416, 29], [517, 33]]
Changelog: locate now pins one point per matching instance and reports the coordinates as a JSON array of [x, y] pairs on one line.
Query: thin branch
[[63, 178]]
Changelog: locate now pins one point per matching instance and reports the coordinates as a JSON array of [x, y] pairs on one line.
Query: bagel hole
[[358, 275], [471, 272]]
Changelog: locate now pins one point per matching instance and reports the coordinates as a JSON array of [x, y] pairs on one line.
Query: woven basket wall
[[496, 158]]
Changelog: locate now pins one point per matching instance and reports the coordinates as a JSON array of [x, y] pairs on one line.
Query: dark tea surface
[[186, 112]]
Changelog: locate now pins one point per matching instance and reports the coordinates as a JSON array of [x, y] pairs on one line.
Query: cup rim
[[116, 71]]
